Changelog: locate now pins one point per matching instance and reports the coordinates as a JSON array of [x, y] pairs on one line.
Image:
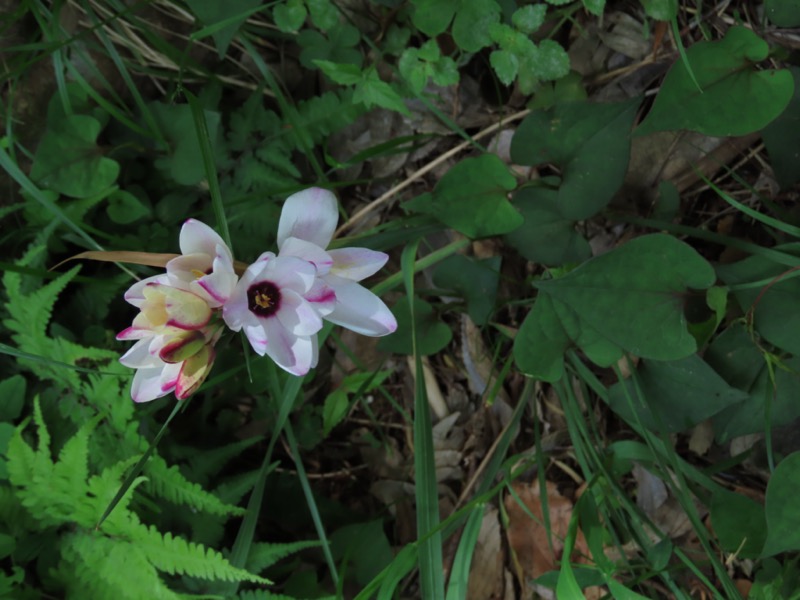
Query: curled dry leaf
[[535, 554], [150, 259]]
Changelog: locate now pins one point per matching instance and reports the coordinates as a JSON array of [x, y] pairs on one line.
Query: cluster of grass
[[617, 378]]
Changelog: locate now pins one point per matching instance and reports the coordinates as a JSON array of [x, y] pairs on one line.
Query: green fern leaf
[[316, 118], [29, 315], [170, 484], [102, 567], [263, 555], [174, 555]]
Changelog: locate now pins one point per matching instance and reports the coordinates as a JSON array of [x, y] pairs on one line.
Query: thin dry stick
[[377, 203]]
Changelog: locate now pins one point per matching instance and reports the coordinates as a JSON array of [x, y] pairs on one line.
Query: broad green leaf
[[716, 301], [338, 47], [432, 17], [676, 395], [782, 508], [628, 300], [781, 139], [334, 410], [738, 522], [737, 359], [734, 97], [475, 280], [549, 61], [230, 15], [660, 10], [784, 13], [594, 6], [125, 208], [290, 15], [505, 64], [12, 392], [372, 91], [364, 547], [589, 142], [69, 161], [472, 21], [541, 342], [471, 198], [324, 14], [432, 334], [529, 18], [546, 236], [184, 164], [776, 316], [566, 89], [342, 73]]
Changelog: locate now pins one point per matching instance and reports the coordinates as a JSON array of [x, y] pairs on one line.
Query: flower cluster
[[279, 302]]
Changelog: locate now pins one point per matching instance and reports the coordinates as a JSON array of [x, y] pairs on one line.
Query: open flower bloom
[[178, 323], [305, 229], [205, 266], [175, 333], [280, 302]]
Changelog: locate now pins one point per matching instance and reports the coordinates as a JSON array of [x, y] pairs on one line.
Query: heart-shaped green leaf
[[589, 142], [69, 161], [471, 198], [628, 300], [735, 98], [782, 508], [546, 235], [432, 334], [675, 395]]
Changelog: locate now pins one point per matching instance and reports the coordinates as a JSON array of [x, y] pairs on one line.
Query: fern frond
[[108, 568], [267, 595], [264, 555], [314, 119], [210, 462], [170, 484], [29, 316], [174, 555]]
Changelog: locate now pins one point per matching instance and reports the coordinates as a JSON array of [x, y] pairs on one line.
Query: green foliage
[[338, 402], [290, 15], [783, 13], [475, 280], [471, 198], [519, 56], [432, 334], [590, 143], [675, 395], [471, 20], [369, 88], [661, 10], [69, 161], [780, 140], [418, 65], [734, 97], [783, 513], [627, 300]]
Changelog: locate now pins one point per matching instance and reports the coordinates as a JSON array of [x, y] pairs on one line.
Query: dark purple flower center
[[263, 298]]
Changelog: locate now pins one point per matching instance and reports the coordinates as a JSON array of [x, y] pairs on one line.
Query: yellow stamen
[[198, 273], [263, 300]]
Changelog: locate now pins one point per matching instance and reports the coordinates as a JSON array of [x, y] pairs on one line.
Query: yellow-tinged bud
[[182, 346], [194, 372]]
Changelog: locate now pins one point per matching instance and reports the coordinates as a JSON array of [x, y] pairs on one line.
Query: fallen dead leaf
[[535, 554], [486, 577]]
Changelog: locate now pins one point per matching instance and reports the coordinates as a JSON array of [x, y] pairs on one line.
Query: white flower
[[305, 229], [279, 302], [178, 322]]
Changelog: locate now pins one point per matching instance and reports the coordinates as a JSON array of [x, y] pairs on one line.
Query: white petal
[[297, 315], [310, 215], [155, 382], [322, 297], [219, 284], [139, 355], [290, 272], [236, 312], [359, 309], [198, 238], [356, 263], [279, 344], [257, 336], [307, 251], [135, 293]]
